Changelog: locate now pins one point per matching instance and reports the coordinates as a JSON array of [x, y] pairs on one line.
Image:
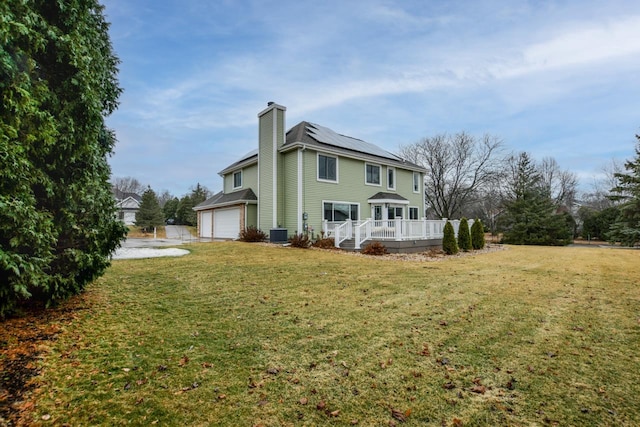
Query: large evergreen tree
[[170, 209], [58, 81], [529, 216], [626, 228], [184, 212], [150, 213]]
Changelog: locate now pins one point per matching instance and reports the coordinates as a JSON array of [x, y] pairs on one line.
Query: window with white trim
[[237, 179], [416, 182], [372, 174], [391, 178], [327, 168], [340, 211], [413, 212]]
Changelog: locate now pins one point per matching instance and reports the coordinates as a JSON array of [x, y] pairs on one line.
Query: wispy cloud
[[202, 70]]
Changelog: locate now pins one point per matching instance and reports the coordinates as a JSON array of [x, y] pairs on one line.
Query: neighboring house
[[127, 204], [312, 179]]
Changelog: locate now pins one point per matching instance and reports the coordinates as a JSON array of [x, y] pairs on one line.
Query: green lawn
[[242, 334]]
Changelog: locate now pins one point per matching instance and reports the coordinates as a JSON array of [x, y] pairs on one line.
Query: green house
[[311, 179]]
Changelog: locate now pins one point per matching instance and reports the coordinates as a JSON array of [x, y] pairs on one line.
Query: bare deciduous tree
[[128, 184], [559, 184], [458, 166], [598, 198], [164, 197]]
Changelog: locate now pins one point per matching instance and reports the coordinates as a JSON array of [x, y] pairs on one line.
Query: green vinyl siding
[[350, 187], [252, 216], [249, 179], [289, 191], [265, 174], [266, 167]]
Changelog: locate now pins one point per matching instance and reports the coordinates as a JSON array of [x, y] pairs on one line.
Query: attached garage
[[223, 216], [206, 221], [226, 223]]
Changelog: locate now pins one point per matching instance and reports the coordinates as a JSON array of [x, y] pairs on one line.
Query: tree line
[[157, 209], [526, 201]]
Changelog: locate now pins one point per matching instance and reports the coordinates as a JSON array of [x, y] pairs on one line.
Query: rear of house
[[307, 180]]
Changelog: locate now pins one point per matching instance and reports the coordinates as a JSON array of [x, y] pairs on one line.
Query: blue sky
[[553, 78]]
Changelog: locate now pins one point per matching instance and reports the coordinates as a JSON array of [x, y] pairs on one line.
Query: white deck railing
[[392, 229]]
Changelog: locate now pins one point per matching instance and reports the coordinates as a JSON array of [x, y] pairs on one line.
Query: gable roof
[[323, 138], [320, 137], [382, 197], [313, 133], [246, 160], [225, 199], [123, 195]]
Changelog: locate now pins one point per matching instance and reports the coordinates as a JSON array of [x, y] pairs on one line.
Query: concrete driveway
[[179, 232], [176, 235]]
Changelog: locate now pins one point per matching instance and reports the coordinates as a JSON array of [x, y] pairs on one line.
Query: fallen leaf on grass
[[425, 350], [335, 413], [189, 388], [321, 405], [304, 401], [480, 389], [183, 361], [399, 415]]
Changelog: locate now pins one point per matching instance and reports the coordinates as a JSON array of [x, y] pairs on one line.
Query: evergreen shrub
[[477, 235], [464, 236], [449, 244]]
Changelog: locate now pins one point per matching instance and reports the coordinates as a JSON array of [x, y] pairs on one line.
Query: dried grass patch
[[252, 334]]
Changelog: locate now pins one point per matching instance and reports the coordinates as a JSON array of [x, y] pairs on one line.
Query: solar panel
[[328, 136]]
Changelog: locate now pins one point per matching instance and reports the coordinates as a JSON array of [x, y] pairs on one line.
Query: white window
[[413, 212], [340, 211], [394, 212], [372, 174], [416, 182], [391, 178], [327, 168], [237, 179]]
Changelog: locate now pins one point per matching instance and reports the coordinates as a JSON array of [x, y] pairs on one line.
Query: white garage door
[[205, 224], [226, 223]]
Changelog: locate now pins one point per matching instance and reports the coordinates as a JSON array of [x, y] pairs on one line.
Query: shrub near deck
[[245, 334]]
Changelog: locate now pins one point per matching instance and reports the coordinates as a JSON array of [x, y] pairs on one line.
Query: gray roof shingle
[[222, 199]]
